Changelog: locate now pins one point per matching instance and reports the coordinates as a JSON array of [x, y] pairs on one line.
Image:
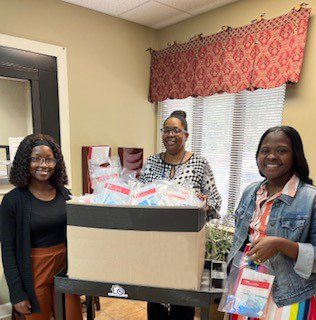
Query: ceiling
[[156, 14]]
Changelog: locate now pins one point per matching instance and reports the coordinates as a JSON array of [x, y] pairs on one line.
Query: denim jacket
[[293, 218]]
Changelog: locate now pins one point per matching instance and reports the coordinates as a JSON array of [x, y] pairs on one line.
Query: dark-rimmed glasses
[[175, 131], [51, 162]]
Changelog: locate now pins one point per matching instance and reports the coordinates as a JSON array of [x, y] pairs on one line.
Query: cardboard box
[[150, 246]]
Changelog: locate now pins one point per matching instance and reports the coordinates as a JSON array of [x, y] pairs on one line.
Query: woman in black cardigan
[[33, 228]]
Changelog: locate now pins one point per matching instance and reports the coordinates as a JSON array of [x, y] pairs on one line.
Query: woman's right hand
[[23, 307], [203, 197]]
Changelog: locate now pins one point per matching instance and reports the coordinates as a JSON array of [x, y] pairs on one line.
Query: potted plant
[[219, 237]]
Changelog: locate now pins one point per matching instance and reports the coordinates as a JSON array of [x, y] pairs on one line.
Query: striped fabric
[[305, 310], [260, 219]]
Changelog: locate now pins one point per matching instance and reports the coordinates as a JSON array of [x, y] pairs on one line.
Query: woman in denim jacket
[[278, 218]]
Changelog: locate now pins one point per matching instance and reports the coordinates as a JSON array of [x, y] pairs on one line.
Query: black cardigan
[[16, 244]]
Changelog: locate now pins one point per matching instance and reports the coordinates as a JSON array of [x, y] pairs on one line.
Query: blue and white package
[[248, 288], [147, 195], [114, 193]]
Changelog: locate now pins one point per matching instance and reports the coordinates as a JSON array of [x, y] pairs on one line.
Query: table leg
[[60, 306], [204, 313], [90, 307]]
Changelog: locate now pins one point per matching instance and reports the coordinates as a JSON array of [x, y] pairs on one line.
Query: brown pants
[[46, 262]]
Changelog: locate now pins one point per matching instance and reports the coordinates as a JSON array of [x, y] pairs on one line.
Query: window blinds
[[226, 128]]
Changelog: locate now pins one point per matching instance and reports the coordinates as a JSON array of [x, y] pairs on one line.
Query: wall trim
[[5, 310]]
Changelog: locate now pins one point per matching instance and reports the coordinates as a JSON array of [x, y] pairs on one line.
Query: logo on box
[[117, 291]]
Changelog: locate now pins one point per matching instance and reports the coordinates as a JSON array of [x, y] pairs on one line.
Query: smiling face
[[174, 143], [275, 157], [40, 167]]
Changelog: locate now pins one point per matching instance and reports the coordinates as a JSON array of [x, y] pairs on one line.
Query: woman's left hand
[[263, 249]]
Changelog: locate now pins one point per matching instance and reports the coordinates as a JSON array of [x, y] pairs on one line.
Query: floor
[[119, 309]]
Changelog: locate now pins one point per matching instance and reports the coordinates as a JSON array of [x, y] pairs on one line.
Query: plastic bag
[[104, 170], [179, 195], [114, 192], [99, 155], [129, 176], [87, 198], [148, 195], [121, 188], [103, 175], [248, 288]]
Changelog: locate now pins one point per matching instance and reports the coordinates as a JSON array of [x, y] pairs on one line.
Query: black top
[[48, 221], [16, 244]]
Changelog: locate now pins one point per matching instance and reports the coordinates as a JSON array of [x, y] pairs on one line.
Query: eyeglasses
[[175, 131], [51, 162]]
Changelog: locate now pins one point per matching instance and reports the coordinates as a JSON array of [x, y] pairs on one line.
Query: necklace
[[173, 165]]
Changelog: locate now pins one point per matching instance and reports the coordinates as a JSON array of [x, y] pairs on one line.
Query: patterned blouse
[[196, 172]]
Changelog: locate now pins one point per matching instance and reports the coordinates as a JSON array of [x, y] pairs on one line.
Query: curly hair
[[20, 172]]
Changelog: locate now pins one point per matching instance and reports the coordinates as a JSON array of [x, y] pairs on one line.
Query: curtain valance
[[265, 54]]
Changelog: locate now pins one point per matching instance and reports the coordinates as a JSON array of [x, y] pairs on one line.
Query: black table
[[202, 298]]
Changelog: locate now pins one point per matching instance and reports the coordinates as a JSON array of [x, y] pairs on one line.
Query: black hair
[[300, 166], [20, 170], [180, 115]]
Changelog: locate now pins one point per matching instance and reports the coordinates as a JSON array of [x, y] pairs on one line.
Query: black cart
[[195, 298]]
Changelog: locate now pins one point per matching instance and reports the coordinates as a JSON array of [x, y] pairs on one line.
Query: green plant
[[218, 241]]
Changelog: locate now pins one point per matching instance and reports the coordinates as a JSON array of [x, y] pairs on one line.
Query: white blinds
[[226, 128]]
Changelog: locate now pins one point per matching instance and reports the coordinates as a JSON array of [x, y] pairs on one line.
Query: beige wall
[[300, 104], [15, 101]]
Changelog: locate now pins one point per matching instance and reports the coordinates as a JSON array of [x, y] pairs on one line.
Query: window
[[226, 128]]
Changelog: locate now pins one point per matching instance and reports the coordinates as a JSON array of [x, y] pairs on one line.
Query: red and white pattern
[[264, 55], [260, 218]]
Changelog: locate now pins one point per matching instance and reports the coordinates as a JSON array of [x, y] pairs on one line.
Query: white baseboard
[[5, 311]]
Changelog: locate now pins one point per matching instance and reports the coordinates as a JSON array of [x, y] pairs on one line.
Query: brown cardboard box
[[151, 246]]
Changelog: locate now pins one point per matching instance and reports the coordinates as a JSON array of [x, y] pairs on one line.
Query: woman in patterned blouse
[[183, 167]]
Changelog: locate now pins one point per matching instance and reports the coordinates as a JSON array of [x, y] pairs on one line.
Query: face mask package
[[248, 288], [102, 170], [179, 195], [129, 176], [114, 192], [148, 195], [125, 189]]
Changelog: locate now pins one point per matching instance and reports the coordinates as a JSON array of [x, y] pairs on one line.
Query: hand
[[23, 307], [264, 248], [203, 197]]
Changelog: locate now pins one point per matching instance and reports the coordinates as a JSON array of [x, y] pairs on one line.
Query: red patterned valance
[[265, 54]]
